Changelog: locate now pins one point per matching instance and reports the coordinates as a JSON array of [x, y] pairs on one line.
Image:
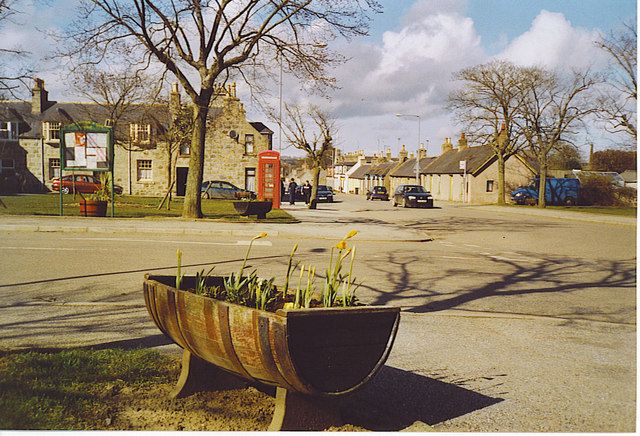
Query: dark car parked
[[325, 193], [378, 193], [224, 190], [412, 196]]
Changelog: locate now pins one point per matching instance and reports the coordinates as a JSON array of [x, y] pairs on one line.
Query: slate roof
[[382, 169], [260, 127], [66, 113], [361, 172], [449, 162], [408, 167]]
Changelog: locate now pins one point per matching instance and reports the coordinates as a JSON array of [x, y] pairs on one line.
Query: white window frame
[[48, 129], [249, 144], [8, 130], [144, 170], [140, 133], [54, 170]]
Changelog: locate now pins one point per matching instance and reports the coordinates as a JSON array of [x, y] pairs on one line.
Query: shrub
[[598, 190]]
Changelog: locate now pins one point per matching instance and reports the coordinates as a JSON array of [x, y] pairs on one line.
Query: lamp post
[[418, 148]]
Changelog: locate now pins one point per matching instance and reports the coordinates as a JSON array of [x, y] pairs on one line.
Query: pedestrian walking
[[306, 191], [282, 192], [292, 191]]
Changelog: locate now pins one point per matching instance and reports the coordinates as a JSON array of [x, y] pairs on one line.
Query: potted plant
[[249, 207], [95, 204], [308, 339]]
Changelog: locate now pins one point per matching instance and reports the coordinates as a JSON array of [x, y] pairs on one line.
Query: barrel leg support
[[198, 375], [297, 412]]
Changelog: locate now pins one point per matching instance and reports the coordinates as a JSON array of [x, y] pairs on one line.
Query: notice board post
[[86, 146]]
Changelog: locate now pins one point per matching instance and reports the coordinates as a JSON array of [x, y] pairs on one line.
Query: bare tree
[[201, 42], [553, 108], [117, 93], [14, 74], [311, 131], [619, 101], [487, 104]]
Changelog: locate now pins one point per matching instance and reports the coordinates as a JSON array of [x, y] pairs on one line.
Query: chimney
[[422, 152], [362, 159], [39, 97], [447, 145], [389, 153], [591, 157], [174, 99], [462, 142], [411, 155], [402, 154]]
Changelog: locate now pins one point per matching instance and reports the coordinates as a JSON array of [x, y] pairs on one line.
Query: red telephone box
[[269, 177]]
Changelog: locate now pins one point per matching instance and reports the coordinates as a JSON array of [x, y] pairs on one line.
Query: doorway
[[181, 180]]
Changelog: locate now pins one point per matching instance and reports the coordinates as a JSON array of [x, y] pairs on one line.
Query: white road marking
[[255, 243], [471, 245], [54, 249]]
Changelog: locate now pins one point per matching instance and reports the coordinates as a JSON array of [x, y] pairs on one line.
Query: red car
[[81, 183]]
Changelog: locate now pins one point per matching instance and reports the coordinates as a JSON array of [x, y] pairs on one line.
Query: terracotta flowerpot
[[93, 208]]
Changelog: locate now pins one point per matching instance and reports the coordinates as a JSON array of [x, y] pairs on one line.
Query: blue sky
[[406, 64]]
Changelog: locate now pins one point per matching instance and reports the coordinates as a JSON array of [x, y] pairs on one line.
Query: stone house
[[405, 172], [445, 179], [30, 142], [343, 166]]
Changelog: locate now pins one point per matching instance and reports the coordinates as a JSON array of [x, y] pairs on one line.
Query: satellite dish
[[233, 134]]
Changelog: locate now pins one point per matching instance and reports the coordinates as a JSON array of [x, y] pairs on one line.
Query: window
[[250, 179], [140, 132], [108, 122], [51, 130], [489, 185], [8, 130], [54, 168], [248, 144], [185, 148], [144, 170], [7, 166]]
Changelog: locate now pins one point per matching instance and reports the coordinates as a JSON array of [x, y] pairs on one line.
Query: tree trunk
[[192, 200], [501, 182], [313, 201], [542, 186]]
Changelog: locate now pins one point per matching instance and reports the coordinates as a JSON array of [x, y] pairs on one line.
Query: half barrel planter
[[93, 208], [308, 354], [248, 208]]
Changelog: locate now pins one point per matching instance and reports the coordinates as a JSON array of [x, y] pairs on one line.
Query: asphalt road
[[511, 321]]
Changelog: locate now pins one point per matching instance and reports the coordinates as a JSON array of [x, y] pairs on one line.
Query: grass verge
[[129, 206], [71, 390]]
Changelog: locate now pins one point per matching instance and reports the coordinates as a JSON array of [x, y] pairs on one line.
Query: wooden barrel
[[320, 351], [93, 208]]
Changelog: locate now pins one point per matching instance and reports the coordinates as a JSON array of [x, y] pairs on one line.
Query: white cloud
[[553, 42]]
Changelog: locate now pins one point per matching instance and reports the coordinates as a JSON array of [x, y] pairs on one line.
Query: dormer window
[[140, 133], [8, 130], [51, 130]]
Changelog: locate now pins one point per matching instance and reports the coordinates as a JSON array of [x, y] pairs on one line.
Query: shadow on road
[[395, 399], [503, 278]]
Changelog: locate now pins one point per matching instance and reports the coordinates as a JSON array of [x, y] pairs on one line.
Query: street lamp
[[418, 148]]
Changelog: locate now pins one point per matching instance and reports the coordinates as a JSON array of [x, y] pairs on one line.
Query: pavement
[[319, 224], [312, 223]]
